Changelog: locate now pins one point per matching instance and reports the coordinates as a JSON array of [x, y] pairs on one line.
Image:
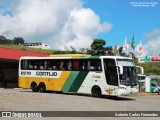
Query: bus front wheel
[[96, 91], [34, 87], [42, 88]]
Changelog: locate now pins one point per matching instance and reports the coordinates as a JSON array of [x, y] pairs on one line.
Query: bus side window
[[56, 66], [35, 66], [76, 65], [41, 65], [83, 65], [90, 66], [49, 65], [99, 67], [94, 65], [61, 65], [31, 65], [70, 65], [67, 65], [24, 65]]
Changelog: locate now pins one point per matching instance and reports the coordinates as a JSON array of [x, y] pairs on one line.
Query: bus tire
[[42, 88], [96, 91], [34, 87]]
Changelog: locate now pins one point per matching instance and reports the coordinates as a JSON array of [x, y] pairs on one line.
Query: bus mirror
[[120, 69], [139, 70]]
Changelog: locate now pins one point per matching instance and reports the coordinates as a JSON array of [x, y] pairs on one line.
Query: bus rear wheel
[[34, 87], [42, 88], [96, 91]]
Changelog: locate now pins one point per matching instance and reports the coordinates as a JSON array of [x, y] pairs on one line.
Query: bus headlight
[[123, 88]]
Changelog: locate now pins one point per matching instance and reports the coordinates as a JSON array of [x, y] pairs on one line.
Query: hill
[[18, 47]]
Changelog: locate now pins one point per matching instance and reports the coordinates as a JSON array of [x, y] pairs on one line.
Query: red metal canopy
[[14, 54]]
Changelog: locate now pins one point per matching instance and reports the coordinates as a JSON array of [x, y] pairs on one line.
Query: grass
[[18, 47]]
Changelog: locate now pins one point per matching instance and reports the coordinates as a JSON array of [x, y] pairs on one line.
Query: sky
[[65, 23]]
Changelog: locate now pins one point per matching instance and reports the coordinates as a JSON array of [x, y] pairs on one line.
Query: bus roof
[[75, 57]]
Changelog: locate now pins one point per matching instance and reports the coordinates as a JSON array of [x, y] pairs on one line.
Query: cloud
[[152, 47], [60, 23]]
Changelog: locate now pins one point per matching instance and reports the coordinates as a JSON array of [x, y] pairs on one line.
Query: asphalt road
[[25, 100]]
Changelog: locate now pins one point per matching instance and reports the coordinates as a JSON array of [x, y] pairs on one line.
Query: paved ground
[[25, 100]]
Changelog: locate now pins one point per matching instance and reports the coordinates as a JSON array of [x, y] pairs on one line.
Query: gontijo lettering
[[46, 73]]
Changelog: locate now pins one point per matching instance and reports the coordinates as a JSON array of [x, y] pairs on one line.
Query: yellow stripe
[[51, 83], [59, 82]]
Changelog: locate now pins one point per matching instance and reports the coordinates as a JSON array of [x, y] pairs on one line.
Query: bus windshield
[[129, 76], [125, 62]]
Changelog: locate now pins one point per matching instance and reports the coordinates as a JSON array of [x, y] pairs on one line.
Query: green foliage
[[156, 79], [121, 53], [59, 52], [73, 50], [3, 40], [97, 47], [135, 60], [109, 51], [18, 40], [2, 37], [151, 68]]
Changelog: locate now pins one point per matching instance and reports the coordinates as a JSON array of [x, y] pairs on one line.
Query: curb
[[18, 88], [11, 88], [145, 94]]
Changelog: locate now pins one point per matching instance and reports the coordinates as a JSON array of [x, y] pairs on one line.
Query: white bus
[[95, 75]]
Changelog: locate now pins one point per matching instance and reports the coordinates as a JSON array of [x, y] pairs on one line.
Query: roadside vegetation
[[151, 68]]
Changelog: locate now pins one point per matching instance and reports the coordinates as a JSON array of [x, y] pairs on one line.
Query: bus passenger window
[[41, 67], [30, 67], [83, 67], [68, 66], [94, 65], [57, 66], [61, 65], [99, 68], [76, 65], [24, 64], [91, 65]]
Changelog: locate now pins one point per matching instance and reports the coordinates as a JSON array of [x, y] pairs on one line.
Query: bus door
[[111, 76]]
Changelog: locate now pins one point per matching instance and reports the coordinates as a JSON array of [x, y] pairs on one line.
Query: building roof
[[13, 54]]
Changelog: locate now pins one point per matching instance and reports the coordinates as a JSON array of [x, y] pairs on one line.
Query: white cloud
[[152, 47], [56, 22]]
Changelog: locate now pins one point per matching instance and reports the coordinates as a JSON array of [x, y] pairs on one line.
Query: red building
[[9, 59]]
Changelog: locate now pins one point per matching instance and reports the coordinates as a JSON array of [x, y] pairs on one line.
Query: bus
[[95, 75]]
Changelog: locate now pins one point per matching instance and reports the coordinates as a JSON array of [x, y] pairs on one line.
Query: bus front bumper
[[125, 92]]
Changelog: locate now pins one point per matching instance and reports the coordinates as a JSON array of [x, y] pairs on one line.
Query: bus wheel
[[42, 88], [96, 91], [34, 87]]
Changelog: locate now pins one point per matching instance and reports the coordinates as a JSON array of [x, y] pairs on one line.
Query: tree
[[121, 53], [109, 51], [3, 40], [97, 47], [18, 40], [83, 50], [73, 50], [2, 37]]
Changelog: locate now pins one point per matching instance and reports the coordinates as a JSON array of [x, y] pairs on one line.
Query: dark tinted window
[[62, 64]]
